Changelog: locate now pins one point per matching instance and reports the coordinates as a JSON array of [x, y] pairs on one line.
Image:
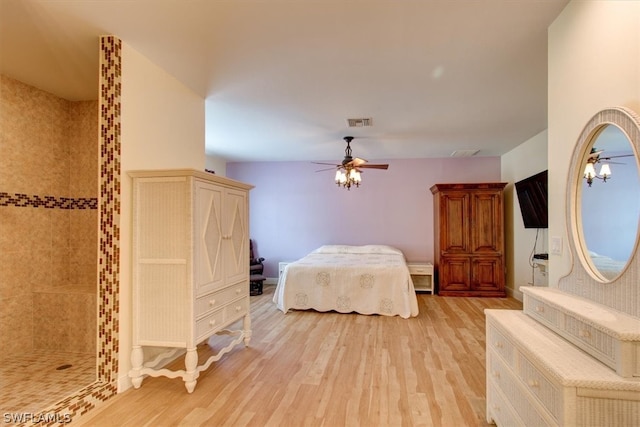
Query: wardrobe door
[[236, 236], [207, 223], [486, 216], [454, 225], [487, 274], [455, 273]]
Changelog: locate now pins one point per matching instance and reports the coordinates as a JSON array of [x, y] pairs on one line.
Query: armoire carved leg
[[137, 358], [191, 364], [246, 325]]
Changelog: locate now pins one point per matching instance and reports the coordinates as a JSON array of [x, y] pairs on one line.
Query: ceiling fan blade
[[329, 169], [322, 163], [614, 157], [358, 162], [374, 166]]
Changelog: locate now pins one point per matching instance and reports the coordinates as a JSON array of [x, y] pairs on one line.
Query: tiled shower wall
[[48, 221]]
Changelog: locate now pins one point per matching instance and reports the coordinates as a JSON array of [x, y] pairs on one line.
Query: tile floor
[[32, 382]]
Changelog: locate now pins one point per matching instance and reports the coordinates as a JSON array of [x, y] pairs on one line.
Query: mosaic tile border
[[109, 245], [48, 202]]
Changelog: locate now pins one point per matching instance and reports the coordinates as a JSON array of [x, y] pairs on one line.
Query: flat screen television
[[532, 197]]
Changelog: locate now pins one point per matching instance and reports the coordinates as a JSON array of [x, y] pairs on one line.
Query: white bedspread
[[372, 279]]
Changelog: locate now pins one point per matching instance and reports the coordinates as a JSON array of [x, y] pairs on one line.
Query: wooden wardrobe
[[469, 239]]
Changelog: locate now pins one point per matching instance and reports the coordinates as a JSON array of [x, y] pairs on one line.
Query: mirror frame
[[629, 123]]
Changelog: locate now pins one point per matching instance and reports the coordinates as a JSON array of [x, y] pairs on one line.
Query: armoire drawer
[[215, 300], [236, 309], [209, 324]]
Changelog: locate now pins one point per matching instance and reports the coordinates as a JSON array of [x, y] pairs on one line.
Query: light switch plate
[[556, 245]]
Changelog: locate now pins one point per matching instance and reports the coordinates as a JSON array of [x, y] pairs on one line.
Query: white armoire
[[190, 267]]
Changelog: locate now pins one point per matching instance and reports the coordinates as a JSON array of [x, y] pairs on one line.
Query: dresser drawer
[[209, 324], [539, 310], [595, 342], [500, 344], [512, 397], [499, 411], [215, 300], [547, 393]]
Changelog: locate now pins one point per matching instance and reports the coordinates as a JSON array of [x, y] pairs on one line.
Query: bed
[[370, 279], [608, 267]]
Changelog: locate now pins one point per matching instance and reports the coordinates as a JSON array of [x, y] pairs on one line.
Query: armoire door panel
[[455, 217], [236, 236], [208, 237], [487, 274], [455, 274], [486, 214]]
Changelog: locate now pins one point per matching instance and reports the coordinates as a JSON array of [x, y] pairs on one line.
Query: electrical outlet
[[556, 245]]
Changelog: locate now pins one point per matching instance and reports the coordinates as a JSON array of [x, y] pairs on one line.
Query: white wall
[[216, 164], [162, 127], [594, 63], [523, 161]]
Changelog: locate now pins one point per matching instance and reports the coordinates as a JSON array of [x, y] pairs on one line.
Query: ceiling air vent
[[464, 153], [359, 123]]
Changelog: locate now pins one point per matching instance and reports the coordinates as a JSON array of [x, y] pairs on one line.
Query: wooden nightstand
[[422, 276]]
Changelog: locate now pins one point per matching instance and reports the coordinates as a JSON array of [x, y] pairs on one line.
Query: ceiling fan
[[594, 157], [605, 170], [348, 172]]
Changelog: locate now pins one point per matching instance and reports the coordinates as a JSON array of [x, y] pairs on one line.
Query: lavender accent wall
[[295, 209]]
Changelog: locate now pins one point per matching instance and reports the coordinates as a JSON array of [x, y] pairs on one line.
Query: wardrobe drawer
[[236, 309], [209, 324], [215, 300]]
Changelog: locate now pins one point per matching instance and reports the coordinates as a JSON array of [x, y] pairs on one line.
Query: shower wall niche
[[48, 221]]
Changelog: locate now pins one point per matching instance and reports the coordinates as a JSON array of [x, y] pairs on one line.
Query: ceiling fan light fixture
[[590, 172]]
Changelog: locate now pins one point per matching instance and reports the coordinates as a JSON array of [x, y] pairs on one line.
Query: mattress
[[370, 279]]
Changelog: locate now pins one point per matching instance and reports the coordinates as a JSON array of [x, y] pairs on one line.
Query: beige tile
[[17, 274], [65, 321], [16, 325]]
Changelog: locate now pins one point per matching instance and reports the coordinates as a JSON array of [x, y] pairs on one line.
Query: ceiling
[[281, 77]]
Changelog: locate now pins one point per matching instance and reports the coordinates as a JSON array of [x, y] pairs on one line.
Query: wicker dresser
[[562, 361]]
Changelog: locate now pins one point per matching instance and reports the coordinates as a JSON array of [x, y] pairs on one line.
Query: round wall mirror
[[606, 193]]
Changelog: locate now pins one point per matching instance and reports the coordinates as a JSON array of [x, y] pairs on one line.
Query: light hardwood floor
[[328, 369]]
